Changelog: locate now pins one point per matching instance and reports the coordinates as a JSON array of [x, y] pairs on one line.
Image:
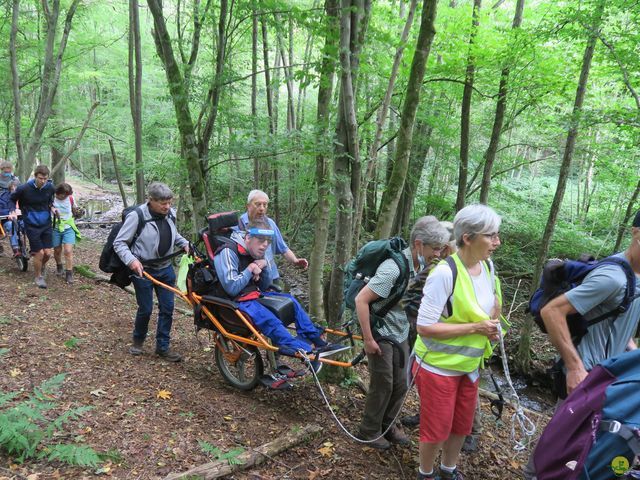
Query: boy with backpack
[[601, 291]]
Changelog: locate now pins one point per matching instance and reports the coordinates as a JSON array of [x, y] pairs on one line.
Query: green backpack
[[364, 265]]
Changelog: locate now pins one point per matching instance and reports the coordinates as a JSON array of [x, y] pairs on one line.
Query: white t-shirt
[[64, 209], [437, 290]]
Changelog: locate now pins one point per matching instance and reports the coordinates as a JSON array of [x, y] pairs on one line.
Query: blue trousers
[[8, 229], [144, 296], [273, 328]]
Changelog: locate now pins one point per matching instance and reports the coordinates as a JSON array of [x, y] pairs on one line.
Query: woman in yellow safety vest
[[456, 324]]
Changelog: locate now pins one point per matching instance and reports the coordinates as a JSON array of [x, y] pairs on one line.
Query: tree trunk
[[523, 357], [23, 169], [117, 173], [465, 115], [254, 89], [135, 95], [179, 97], [380, 121], [391, 196], [322, 180], [627, 216], [56, 157], [501, 105]]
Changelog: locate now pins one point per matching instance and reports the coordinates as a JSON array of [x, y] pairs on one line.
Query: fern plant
[[231, 456], [26, 429]]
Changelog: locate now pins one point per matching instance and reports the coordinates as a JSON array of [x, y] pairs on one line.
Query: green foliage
[[27, 427], [230, 456], [72, 343]]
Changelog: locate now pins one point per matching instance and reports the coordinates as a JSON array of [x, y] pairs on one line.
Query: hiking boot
[[470, 444], [379, 444], [136, 348], [68, 276], [455, 475], [59, 269], [397, 436], [169, 355], [40, 282], [410, 420]]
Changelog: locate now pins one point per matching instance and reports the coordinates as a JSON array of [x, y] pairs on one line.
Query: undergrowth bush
[[27, 427]]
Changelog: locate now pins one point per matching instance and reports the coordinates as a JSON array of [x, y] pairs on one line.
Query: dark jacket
[[35, 203]]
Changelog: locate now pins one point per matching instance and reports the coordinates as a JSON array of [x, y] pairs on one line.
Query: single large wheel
[[241, 367], [22, 260]]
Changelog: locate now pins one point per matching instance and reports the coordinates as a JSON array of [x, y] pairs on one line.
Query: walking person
[[65, 233], [155, 241], [35, 199]]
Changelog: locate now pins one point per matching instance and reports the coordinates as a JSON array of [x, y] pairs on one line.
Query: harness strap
[[630, 435]]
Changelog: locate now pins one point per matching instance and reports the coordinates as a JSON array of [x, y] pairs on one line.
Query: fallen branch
[[250, 458]]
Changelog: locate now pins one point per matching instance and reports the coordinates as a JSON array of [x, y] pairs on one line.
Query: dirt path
[[150, 437]]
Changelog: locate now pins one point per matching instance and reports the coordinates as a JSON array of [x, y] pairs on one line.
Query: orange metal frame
[[193, 299]]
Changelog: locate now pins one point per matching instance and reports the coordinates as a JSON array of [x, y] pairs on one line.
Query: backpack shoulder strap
[[141, 223], [454, 273], [630, 289]]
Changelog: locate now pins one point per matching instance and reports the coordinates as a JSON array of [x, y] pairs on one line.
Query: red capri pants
[[447, 404]]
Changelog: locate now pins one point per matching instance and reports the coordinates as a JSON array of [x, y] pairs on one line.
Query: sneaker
[[68, 276], [136, 348], [59, 269], [424, 476], [410, 420], [40, 282], [455, 475], [169, 355], [470, 444], [397, 436], [331, 349], [379, 444]]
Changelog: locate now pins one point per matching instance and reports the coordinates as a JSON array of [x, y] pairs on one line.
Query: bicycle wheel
[[240, 367], [22, 260]]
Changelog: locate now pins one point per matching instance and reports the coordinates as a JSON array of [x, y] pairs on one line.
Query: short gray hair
[[473, 220], [5, 164], [159, 191], [429, 231], [256, 193]]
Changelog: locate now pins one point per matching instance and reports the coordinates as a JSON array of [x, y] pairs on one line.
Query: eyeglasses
[[492, 236], [262, 239]]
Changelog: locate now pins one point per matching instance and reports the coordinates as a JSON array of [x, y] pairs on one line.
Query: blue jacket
[[34, 202]]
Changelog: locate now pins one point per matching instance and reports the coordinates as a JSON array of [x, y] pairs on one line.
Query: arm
[[631, 345], [291, 257], [122, 241], [226, 264], [180, 241], [554, 315], [365, 297]]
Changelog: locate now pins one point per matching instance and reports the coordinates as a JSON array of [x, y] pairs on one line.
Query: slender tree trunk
[[501, 105], [627, 216], [23, 168], [254, 89], [267, 75], [465, 115], [184, 120], [135, 95], [380, 121], [117, 173], [523, 356], [391, 196], [323, 183]]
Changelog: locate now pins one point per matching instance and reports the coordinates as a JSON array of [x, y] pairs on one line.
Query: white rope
[[333, 414]]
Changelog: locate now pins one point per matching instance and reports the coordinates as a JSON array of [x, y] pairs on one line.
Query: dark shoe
[[410, 420], [331, 349], [59, 269], [455, 475], [169, 355], [470, 444], [397, 436], [422, 476], [379, 444], [40, 282], [316, 366], [68, 276], [136, 348]]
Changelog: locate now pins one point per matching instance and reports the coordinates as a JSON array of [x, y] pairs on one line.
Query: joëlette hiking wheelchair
[[241, 351], [17, 228]]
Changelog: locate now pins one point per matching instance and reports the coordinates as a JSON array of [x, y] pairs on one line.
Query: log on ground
[[250, 458]]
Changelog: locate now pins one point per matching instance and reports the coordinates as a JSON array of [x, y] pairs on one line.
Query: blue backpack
[[560, 276], [6, 205], [595, 433]]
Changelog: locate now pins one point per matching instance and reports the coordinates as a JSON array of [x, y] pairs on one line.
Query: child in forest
[[65, 233]]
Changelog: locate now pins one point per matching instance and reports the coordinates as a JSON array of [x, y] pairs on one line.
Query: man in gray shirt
[[601, 291]]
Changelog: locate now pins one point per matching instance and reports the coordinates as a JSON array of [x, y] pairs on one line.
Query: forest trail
[[84, 330]]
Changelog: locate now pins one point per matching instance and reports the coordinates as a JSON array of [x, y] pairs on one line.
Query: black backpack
[[109, 260], [560, 276], [364, 265]]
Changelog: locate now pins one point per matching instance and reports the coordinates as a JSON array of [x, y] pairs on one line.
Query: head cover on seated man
[[258, 237]]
